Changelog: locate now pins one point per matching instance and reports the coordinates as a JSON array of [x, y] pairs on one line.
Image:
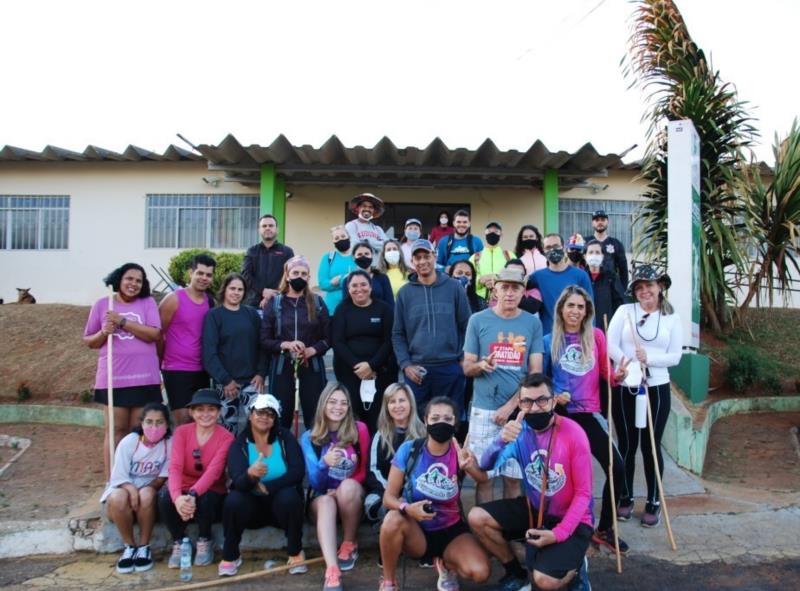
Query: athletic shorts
[[483, 431], [436, 542], [181, 386], [131, 397]]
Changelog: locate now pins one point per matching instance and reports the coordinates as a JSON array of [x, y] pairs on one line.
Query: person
[[531, 300], [335, 450], [140, 468], [460, 245], [430, 320], [503, 344], [266, 470], [490, 260], [575, 248], [442, 229], [135, 326], [182, 313], [412, 233], [529, 249], [334, 267], [262, 266], [606, 287], [613, 249], [195, 488], [464, 273], [424, 518], [559, 274], [398, 422], [393, 266], [367, 207], [557, 528], [362, 347], [231, 351], [295, 331], [575, 360], [656, 348], [381, 287]]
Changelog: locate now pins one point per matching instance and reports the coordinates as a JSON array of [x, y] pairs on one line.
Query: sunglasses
[[643, 320], [198, 465], [265, 412]]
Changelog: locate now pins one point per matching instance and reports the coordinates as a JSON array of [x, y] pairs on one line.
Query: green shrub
[[746, 367], [227, 262], [86, 396], [23, 392]]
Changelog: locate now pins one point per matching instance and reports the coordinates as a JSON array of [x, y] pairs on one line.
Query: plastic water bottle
[[186, 560], [641, 407]]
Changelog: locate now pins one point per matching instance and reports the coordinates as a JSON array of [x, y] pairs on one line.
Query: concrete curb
[[43, 413]]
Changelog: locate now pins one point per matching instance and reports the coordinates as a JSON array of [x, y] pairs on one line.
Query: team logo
[[610, 248], [343, 469], [556, 478], [572, 361], [436, 484], [123, 334]]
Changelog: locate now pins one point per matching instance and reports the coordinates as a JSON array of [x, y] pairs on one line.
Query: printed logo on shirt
[[146, 467], [610, 248], [572, 361], [460, 249], [436, 484], [344, 469], [375, 320], [509, 352], [123, 334], [556, 478]]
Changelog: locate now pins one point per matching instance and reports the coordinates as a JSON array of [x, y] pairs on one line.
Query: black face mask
[[538, 420], [492, 238], [364, 262], [555, 256], [441, 432], [342, 245], [298, 283], [574, 256], [529, 244]]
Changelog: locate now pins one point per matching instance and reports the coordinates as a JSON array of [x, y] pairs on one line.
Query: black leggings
[[243, 510], [209, 509], [596, 429], [353, 385], [312, 381], [624, 413]]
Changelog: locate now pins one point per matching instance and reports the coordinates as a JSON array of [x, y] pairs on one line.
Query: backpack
[[449, 245], [411, 464], [276, 310]]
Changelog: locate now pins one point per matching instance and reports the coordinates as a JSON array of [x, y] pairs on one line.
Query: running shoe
[[175, 556], [625, 510], [294, 567], [333, 579], [229, 568], [143, 560], [205, 552], [511, 582], [651, 516], [425, 563], [347, 555], [125, 562], [606, 539], [448, 579], [387, 585]]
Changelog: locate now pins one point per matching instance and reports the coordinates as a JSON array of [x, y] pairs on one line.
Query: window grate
[[575, 215], [34, 222]]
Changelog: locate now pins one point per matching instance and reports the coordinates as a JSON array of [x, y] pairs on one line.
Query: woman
[[334, 267], [335, 452], [529, 249], [231, 351], [295, 330], [444, 229], [140, 469], [606, 286], [575, 359], [393, 265], [196, 489], [412, 233], [266, 469], [422, 496], [381, 287], [362, 348], [135, 326], [464, 273], [655, 347], [575, 247], [529, 302]]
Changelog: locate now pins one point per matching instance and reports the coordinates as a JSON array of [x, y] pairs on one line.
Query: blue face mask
[[412, 235], [463, 280]]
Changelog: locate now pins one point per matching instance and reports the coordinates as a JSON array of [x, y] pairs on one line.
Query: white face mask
[[392, 256], [594, 260]]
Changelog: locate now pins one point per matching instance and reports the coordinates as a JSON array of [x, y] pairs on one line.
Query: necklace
[[640, 323]]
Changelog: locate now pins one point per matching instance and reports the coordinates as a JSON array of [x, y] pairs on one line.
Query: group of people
[[503, 358]]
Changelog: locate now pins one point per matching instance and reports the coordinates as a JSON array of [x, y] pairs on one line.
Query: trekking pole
[[296, 397], [110, 385], [611, 457], [661, 494]]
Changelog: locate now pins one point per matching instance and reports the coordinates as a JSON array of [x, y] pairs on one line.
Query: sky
[[117, 73]]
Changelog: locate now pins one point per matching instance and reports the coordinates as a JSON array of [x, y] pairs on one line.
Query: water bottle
[[186, 560], [641, 407]]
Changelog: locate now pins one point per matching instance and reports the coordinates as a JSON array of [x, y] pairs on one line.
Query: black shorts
[[131, 397], [181, 386], [511, 515], [437, 541]]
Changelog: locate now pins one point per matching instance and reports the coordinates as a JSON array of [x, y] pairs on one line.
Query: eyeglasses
[[541, 402], [264, 412], [643, 320], [198, 465]]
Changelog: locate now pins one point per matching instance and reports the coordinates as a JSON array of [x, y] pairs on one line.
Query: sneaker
[[448, 579], [333, 579], [205, 552], [125, 562], [175, 556], [143, 560], [300, 569], [651, 516], [347, 555], [511, 582], [625, 510], [425, 563], [581, 580], [606, 539], [387, 585], [229, 568]]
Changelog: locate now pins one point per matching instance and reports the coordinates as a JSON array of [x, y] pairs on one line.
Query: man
[[559, 274], [460, 245], [182, 313], [262, 267], [554, 454], [430, 319], [613, 251], [367, 207], [503, 344], [489, 262]]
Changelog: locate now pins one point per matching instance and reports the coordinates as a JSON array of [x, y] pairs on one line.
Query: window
[[34, 222], [575, 215], [201, 221]]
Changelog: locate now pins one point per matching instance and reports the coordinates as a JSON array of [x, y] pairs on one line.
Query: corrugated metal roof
[[94, 154]]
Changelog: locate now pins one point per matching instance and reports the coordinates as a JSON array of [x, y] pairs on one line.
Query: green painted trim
[[273, 197], [61, 415], [550, 189]]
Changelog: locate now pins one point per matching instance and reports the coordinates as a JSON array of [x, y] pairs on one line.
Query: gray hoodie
[[430, 322]]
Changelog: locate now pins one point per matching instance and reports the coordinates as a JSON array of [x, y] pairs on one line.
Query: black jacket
[[614, 258], [239, 462], [608, 295], [263, 267]]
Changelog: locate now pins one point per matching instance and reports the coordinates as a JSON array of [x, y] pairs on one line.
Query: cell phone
[[530, 536], [427, 507]]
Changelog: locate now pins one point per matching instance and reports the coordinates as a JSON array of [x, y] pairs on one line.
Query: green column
[[550, 186], [273, 197]]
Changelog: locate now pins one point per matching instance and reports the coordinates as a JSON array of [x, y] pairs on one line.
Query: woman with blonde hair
[[335, 451], [392, 264], [334, 267]]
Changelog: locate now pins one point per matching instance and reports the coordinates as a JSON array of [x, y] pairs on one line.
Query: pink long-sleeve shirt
[[183, 474]]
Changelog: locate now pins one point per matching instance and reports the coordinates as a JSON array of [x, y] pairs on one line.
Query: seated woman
[[196, 486], [140, 468], [423, 499], [335, 451], [266, 469]]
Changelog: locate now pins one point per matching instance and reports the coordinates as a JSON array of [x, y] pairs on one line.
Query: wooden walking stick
[[661, 494], [110, 385], [611, 456], [296, 397]]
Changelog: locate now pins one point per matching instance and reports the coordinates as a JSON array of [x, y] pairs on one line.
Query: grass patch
[[773, 331]]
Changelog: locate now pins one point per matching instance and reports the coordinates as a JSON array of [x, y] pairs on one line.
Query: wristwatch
[[122, 322]]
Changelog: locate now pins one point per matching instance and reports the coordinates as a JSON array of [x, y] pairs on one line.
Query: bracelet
[[402, 508]]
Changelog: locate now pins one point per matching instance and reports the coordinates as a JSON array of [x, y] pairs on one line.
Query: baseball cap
[[410, 221], [600, 213], [496, 224], [510, 276], [266, 401], [422, 244]]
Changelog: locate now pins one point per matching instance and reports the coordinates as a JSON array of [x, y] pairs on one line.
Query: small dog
[[24, 296]]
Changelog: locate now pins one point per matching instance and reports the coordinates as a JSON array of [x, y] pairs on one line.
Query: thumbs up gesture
[[512, 429], [257, 469]]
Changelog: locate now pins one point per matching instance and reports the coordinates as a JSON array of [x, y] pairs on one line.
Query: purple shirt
[[183, 337]]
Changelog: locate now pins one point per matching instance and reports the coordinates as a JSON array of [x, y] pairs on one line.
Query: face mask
[[463, 280], [365, 215], [594, 260], [412, 235], [364, 262], [342, 245], [441, 432], [154, 434], [555, 256], [492, 238], [574, 256], [298, 283], [529, 244], [443, 220], [538, 420], [392, 257]]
